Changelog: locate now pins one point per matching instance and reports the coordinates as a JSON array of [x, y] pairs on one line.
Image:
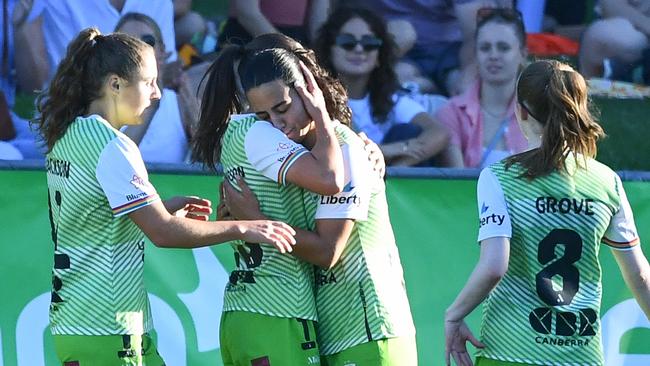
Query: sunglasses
[[348, 42], [511, 15], [149, 39]]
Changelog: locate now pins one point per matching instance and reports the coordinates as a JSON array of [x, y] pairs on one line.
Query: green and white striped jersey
[[545, 310], [363, 297], [95, 176], [265, 280]]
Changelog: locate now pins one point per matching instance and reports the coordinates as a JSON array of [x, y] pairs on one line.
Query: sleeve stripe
[[117, 211], [284, 168], [619, 244]]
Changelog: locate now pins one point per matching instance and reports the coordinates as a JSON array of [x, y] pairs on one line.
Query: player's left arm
[[622, 237], [636, 273]]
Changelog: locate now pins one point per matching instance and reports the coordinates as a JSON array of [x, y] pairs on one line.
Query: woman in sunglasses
[[355, 46], [482, 120], [543, 215], [163, 136]]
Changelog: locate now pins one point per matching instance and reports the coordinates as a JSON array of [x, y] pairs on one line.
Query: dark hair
[[556, 96], [502, 16], [142, 18], [79, 78], [257, 65], [382, 83]]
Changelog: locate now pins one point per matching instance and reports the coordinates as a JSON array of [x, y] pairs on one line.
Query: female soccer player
[[363, 310], [543, 214], [268, 295], [102, 204]]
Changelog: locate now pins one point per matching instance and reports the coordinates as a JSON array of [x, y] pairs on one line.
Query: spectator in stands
[[482, 120], [250, 18], [444, 36], [63, 20], [355, 46], [17, 140], [163, 136], [613, 46]]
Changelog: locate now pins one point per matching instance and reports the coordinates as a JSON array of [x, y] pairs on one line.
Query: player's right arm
[[123, 177], [319, 170], [169, 231]]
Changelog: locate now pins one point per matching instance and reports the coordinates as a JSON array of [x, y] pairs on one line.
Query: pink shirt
[[462, 115]]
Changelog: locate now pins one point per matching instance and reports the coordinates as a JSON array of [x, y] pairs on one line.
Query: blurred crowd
[[430, 81]]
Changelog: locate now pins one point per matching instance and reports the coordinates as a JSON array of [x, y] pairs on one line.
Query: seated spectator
[[17, 70], [614, 46], [355, 46], [167, 124], [249, 18], [482, 120], [63, 20]]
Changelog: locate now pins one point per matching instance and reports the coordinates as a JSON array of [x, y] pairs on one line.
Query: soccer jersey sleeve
[[494, 220], [621, 233], [353, 202], [270, 151], [123, 177]]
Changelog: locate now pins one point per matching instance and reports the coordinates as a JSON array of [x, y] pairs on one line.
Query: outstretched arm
[[170, 231], [636, 273]]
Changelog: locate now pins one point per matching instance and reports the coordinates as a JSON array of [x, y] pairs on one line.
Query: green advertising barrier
[[435, 225]]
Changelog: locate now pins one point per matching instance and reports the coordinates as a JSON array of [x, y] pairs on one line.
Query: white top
[[404, 110], [494, 220], [64, 19], [274, 157], [123, 177], [277, 153], [354, 201], [165, 140]]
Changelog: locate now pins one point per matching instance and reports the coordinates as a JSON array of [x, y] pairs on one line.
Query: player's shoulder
[[346, 135], [92, 132], [238, 123]]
